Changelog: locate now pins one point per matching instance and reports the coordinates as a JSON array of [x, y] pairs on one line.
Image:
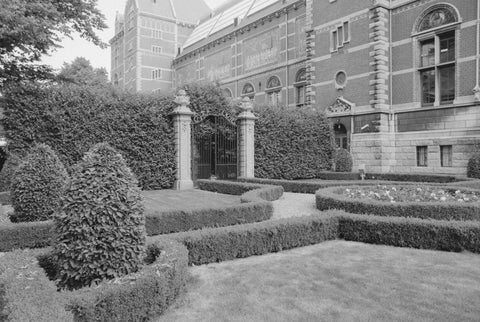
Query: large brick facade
[[362, 62]]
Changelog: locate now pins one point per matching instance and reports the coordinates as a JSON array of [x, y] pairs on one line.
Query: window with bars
[[446, 155], [422, 156]]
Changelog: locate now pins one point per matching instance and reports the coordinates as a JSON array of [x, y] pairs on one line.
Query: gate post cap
[[247, 110], [181, 98]]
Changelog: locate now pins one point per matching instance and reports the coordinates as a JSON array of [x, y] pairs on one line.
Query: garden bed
[[334, 198], [135, 297], [254, 208]]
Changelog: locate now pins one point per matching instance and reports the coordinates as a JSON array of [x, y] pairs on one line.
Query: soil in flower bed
[[412, 194]]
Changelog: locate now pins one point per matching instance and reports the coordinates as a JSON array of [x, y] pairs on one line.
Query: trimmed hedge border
[[226, 243], [254, 209], [312, 186], [453, 236], [412, 177], [135, 297], [328, 198]]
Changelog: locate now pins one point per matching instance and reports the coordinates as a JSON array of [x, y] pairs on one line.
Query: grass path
[[294, 205], [335, 281]]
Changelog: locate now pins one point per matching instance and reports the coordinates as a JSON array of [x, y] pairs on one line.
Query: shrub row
[[331, 198], [291, 143], [30, 296], [38, 234], [226, 243], [26, 294], [453, 236], [71, 119]]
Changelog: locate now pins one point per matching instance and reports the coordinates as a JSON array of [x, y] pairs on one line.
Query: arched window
[[274, 90], [436, 33], [301, 87], [227, 92], [341, 136], [248, 91]]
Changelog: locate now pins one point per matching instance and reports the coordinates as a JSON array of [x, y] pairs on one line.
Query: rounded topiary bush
[[100, 227], [37, 185], [473, 166], [342, 161]]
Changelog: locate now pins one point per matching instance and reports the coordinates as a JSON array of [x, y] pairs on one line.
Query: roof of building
[[182, 10], [226, 18]]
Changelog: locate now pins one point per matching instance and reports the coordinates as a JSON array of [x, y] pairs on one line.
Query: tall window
[[422, 156], [300, 87], [341, 136], [274, 91], [446, 155], [339, 36], [437, 55]]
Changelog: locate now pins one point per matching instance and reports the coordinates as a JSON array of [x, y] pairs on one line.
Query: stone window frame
[[156, 74], [419, 37], [273, 90], [300, 87], [446, 156], [422, 155], [337, 84], [227, 92], [344, 29], [249, 94]]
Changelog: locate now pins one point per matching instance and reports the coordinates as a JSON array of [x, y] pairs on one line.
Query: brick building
[[399, 79], [147, 38]]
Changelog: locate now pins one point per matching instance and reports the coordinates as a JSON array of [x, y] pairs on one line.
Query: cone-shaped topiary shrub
[[473, 166], [100, 228], [37, 185], [342, 160]]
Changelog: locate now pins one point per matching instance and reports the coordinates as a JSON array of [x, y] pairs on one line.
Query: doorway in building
[[341, 136]]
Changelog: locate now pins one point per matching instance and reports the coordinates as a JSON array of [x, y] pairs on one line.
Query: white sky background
[[78, 47]]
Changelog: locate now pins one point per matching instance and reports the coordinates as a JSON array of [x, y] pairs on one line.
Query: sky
[[78, 47]]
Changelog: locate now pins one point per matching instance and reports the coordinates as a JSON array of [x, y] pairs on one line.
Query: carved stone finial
[[181, 98], [247, 105]]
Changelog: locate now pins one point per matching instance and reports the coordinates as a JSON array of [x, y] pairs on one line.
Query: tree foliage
[[81, 72], [32, 28]]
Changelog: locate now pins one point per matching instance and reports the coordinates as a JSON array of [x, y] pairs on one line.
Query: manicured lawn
[[335, 281]]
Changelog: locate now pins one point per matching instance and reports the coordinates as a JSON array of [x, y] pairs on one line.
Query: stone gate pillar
[[182, 120], [246, 140]]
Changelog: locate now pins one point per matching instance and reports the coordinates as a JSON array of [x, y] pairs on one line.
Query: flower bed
[[28, 295], [411, 194], [381, 205]]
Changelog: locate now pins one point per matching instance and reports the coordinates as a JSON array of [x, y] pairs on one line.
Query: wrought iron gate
[[214, 148]]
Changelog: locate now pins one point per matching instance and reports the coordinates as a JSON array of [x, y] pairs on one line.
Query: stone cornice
[[241, 30]]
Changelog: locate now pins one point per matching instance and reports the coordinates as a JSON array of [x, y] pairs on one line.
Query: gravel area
[[294, 205]]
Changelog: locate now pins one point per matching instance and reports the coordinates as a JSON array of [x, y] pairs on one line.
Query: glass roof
[[225, 19], [259, 5]]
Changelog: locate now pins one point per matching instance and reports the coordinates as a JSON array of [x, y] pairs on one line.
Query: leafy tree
[[32, 28], [81, 72]]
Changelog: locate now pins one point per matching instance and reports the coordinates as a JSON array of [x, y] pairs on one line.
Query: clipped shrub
[[74, 118], [100, 228], [342, 160], [291, 143], [37, 185], [473, 166]]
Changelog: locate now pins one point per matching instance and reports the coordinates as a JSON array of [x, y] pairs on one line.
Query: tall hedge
[[71, 119], [291, 143]]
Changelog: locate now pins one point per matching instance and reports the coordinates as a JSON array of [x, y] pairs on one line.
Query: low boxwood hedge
[[30, 296], [330, 198], [226, 243], [255, 208], [453, 236], [26, 294]]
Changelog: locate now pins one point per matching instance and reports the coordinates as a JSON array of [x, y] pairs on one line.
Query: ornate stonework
[[341, 106]]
